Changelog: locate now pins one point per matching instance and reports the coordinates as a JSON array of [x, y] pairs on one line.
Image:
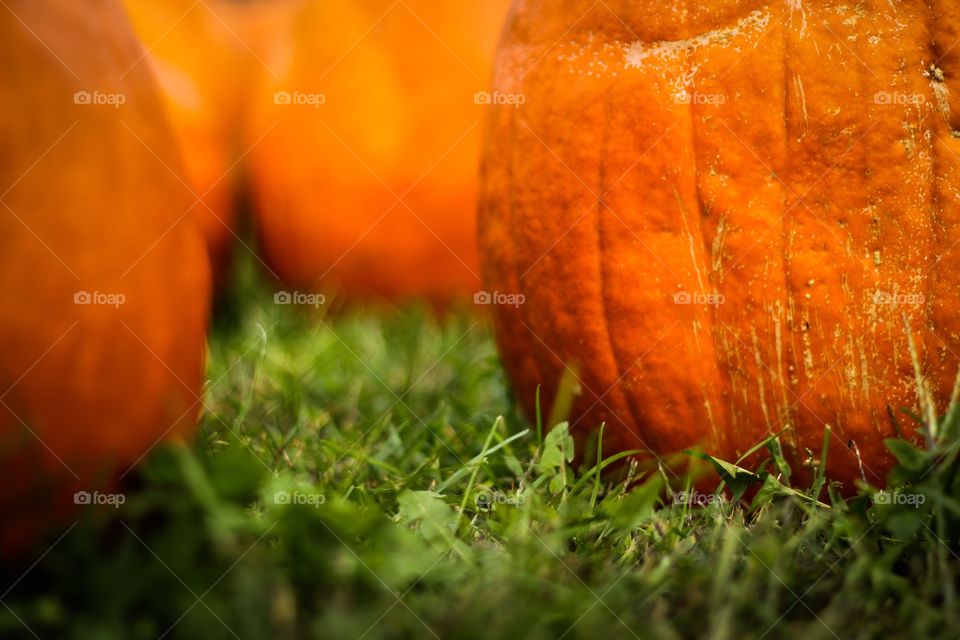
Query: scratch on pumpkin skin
[[852, 369], [802, 97], [758, 358], [709, 409], [729, 348], [778, 342], [783, 412], [807, 352], [717, 248], [864, 370], [693, 251]]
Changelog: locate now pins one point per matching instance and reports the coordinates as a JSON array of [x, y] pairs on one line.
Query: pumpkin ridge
[[720, 439], [903, 217], [935, 200], [620, 369], [499, 254], [747, 325], [795, 128], [945, 145], [860, 279], [788, 416], [528, 340], [800, 324]]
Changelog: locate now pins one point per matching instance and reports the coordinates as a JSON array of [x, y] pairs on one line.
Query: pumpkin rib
[[843, 435], [699, 214], [630, 415], [618, 367], [923, 328], [792, 406], [857, 281], [819, 358], [849, 191], [510, 241], [792, 203], [634, 346], [748, 380], [551, 274], [933, 204], [947, 264], [499, 265], [911, 241], [838, 353], [516, 334], [792, 129], [927, 329], [938, 200]]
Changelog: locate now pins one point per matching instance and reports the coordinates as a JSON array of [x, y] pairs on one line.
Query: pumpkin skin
[[798, 176], [90, 204], [325, 180]]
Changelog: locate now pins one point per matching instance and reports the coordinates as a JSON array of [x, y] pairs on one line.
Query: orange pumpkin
[[364, 178], [103, 283], [203, 54], [721, 217]]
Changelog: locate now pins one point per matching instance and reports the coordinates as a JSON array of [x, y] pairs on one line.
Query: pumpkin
[[193, 54], [364, 177], [103, 283], [723, 221]]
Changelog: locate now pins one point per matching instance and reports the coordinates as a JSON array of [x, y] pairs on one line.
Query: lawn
[[365, 474]]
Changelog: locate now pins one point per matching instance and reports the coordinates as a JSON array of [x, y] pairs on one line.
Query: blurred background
[[338, 140]]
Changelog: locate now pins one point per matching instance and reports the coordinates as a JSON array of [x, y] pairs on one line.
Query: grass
[[367, 476]]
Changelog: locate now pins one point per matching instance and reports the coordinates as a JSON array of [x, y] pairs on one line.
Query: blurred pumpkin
[[204, 54], [365, 177], [194, 55], [103, 284], [720, 221]]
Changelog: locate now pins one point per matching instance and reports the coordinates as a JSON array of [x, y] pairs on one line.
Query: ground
[[364, 474]]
